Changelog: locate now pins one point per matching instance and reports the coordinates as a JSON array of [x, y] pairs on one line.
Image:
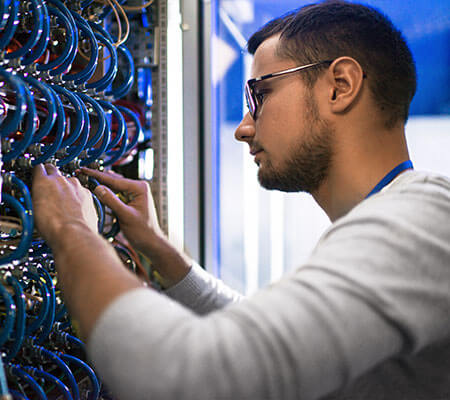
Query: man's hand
[[138, 219], [59, 202]]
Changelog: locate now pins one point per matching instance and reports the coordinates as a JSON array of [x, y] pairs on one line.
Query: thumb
[[109, 199]]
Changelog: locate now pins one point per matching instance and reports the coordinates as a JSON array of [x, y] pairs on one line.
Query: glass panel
[[262, 234]]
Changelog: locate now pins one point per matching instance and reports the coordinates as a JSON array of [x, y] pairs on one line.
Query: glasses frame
[[250, 95]]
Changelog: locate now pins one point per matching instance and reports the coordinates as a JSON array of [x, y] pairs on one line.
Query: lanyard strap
[[390, 176]]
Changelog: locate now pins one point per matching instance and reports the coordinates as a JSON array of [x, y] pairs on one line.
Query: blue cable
[[79, 115], [11, 25], [95, 153], [61, 312], [100, 213], [19, 299], [26, 195], [103, 37], [27, 232], [137, 123], [50, 356], [101, 119], [18, 147], [75, 150], [41, 46], [38, 22], [31, 328], [10, 317], [61, 69], [129, 76], [3, 6], [94, 394], [16, 370], [87, 72], [17, 395], [12, 121], [50, 150], [117, 154], [50, 319], [121, 125], [4, 392], [39, 373], [69, 45], [45, 128], [86, 3]]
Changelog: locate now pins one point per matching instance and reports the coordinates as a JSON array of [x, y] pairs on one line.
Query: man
[[367, 316]]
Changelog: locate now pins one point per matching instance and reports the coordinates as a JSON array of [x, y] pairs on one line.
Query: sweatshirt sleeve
[[309, 334], [202, 292]]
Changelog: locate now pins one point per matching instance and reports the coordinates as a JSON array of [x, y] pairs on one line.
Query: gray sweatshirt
[[366, 317]]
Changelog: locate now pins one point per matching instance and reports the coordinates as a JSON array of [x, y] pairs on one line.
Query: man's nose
[[246, 129]]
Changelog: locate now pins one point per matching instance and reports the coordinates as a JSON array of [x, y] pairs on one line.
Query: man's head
[[363, 45]]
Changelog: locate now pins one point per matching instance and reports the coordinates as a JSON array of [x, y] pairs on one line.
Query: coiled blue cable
[[95, 392], [129, 76], [39, 373], [26, 195], [16, 370], [50, 150], [69, 45], [52, 357], [47, 325], [44, 129], [10, 315], [79, 115], [38, 22], [27, 232], [87, 72], [137, 124], [117, 154], [75, 150], [19, 333], [12, 121], [36, 323], [121, 125], [61, 69], [42, 44], [101, 119], [4, 392], [11, 25], [103, 37], [19, 146], [95, 153], [4, 5]]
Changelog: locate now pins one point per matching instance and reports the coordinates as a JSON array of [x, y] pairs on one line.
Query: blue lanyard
[[390, 176]]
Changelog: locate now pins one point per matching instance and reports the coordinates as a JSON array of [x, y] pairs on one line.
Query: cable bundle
[[60, 83]]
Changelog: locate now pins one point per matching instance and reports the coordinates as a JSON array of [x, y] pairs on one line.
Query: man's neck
[[357, 169]]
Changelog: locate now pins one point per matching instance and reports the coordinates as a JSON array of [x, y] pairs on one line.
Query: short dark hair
[[331, 29]]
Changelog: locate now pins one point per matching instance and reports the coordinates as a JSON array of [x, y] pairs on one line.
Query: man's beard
[[307, 164]]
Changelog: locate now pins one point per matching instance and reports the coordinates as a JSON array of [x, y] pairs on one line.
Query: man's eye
[[260, 96]]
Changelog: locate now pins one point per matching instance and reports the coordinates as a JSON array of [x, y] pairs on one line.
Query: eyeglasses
[[254, 100]]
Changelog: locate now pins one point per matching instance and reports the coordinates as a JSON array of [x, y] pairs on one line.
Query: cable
[[27, 233], [31, 328], [12, 121], [10, 315], [19, 146], [52, 357], [11, 25], [16, 370], [42, 44], [138, 8], [38, 22], [50, 319], [86, 73], [100, 213], [19, 333], [94, 394], [129, 76], [137, 123], [38, 373]]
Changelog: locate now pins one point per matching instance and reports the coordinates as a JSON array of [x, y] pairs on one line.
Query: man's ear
[[346, 79]]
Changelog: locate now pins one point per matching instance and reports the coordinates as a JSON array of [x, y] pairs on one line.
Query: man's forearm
[[90, 273]]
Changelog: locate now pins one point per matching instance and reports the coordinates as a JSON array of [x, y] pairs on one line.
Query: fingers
[[107, 197], [114, 181], [39, 171]]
